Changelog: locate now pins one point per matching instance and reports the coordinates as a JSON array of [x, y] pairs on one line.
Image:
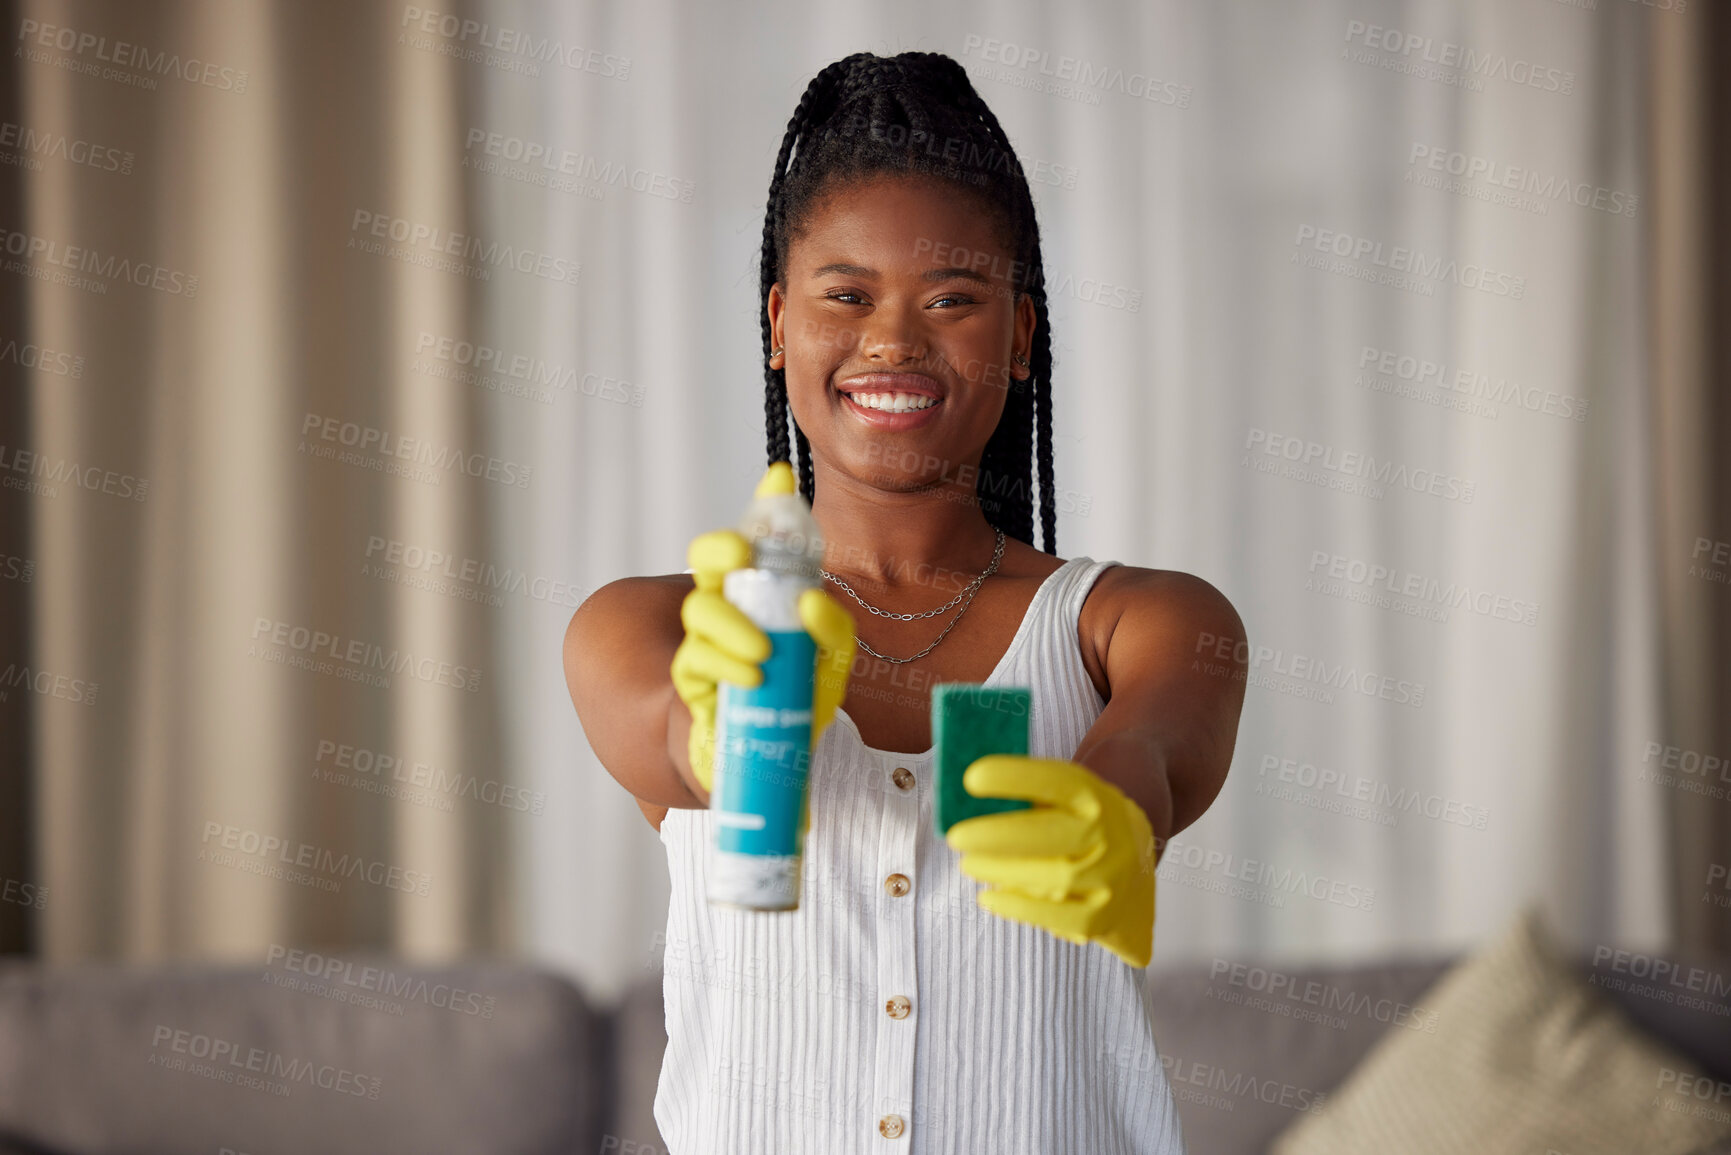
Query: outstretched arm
[[1176, 666]]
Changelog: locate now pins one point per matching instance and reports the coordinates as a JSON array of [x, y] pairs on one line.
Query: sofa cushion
[[1526, 1057], [1683, 1000], [298, 1056], [640, 1026], [1247, 1048]]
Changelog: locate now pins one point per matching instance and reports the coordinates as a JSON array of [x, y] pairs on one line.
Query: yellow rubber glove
[[1079, 863], [721, 643]]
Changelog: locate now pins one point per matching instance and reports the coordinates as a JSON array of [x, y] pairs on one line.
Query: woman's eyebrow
[[950, 274]]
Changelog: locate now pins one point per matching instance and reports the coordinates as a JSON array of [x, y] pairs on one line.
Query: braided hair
[[917, 113]]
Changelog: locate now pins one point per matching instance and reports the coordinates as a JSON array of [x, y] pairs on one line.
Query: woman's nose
[[893, 335]]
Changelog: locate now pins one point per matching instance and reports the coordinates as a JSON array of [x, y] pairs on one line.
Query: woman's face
[[899, 285]]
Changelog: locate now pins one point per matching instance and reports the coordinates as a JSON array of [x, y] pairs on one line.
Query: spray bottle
[[763, 734]]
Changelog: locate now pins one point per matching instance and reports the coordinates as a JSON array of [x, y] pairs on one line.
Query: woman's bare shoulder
[[1136, 581], [638, 590], [621, 606], [1185, 609]]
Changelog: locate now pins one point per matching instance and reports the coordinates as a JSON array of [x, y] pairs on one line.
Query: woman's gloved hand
[[1080, 862], [721, 643]]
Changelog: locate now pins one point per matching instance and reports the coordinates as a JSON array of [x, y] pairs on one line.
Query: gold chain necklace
[[973, 587]]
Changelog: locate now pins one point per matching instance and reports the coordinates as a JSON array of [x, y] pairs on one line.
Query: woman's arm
[[1176, 663], [619, 651]]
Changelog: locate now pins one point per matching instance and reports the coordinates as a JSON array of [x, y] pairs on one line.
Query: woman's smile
[[893, 401]]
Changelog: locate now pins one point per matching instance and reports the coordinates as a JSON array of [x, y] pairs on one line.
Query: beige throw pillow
[[1526, 1058]]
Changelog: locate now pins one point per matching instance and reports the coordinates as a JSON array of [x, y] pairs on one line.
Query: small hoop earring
[[773, 352]]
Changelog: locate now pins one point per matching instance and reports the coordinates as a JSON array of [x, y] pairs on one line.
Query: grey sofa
[[335, 1057], [267, 1060]]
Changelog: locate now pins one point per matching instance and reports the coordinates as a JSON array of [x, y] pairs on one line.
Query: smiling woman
[[910, 209], [898, 342], [905, 335]]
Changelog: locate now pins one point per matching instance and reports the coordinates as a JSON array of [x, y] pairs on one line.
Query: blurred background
[[347, 348]]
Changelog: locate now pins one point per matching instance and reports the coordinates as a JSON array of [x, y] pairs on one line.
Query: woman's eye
[[841, 294], [957, 297]]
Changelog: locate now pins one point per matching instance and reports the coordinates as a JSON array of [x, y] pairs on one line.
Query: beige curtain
[[1690, 127], [17, 918], [201, 732], [197, 806]]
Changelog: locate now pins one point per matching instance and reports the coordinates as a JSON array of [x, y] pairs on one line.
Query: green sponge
[[970, 721]]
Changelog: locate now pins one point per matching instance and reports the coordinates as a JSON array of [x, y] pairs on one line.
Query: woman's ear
[[777, 308], [1026, 320]]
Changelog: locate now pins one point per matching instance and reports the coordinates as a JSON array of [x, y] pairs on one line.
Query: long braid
[[775, 407], [1040, 357], [923, 96]]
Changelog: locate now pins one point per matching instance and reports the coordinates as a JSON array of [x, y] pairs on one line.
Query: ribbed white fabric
[[782, 1030]]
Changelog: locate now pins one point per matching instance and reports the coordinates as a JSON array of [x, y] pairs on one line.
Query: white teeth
[[893, 402]]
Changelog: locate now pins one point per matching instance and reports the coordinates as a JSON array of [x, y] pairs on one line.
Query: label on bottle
[[762, 768]]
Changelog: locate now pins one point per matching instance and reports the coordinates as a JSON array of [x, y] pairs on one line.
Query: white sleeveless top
[[889, 1013]]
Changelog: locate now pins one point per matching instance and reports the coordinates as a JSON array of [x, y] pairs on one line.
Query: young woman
[[918, 1000]]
